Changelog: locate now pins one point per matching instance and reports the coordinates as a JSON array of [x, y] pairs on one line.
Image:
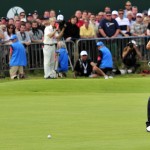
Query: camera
[[130, 44]]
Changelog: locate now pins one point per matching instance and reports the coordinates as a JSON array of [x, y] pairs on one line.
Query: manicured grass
[[80, 114]]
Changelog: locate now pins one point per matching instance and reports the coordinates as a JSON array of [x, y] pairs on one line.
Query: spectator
[[146, 20], [35, 15], [134, 11], [84, 15], [86, 31], [130, 16], [100, 17], [9, 32], [123, 24], [36, 35], [28, 26], [148, 45], [109, 27], [17, 58], [130, 52], [16, 18], [114, 14], [50, 41], [52, 13], [94, 24], [46, 14], [11, 21], [128, 7], [87, 68], [139, 29], [72, 30], [29, 17], [22, 16], [17, 25], [148, 29], [78, 14], [23, 36], [62, 56], [104, 60], [107, 9], [2, 30]]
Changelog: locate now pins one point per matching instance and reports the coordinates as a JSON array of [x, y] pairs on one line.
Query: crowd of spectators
[[29, 27]]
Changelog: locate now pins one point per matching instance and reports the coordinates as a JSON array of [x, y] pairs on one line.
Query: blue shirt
[[18, 57], [63, 60]]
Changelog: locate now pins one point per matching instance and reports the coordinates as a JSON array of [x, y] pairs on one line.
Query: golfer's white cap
[[83, 53], [60, 17]]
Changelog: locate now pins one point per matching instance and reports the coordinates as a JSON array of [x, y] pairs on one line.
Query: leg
[[21, 72], [148, 113], [46, 52], [13, 72]]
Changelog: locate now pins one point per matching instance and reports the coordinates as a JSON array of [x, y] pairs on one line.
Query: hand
[[68, 39]]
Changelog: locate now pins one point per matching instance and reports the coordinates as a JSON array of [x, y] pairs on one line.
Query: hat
[[100, 43], [83, 53], [29, 14], [60, 17], [35, 12], [139, 14], [14, 36], [108, 13], [114, 12], [4, 18]]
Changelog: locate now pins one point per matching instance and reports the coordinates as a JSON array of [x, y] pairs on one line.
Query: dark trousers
[[148, 113]]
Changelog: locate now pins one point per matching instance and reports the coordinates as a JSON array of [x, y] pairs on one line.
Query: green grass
[[80, 114]]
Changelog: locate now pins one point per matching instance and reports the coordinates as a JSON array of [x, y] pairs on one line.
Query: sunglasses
[[128, 5], [120, 13]]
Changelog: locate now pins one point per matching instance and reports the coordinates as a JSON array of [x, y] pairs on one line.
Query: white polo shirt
[[47, 39]]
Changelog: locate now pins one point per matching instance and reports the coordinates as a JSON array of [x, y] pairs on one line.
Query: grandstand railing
[[116, 45]]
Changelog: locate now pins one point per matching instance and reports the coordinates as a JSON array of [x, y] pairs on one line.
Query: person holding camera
[[129, 56], [51, 36]]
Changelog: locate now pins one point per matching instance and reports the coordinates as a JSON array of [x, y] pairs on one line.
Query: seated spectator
[[104, 59], [17, 58], [87, 68], [129, 56], [72, 30], [62, 56], [36, 35], [123, 24]]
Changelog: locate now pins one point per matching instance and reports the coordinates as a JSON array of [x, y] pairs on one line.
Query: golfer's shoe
[[148, 129]]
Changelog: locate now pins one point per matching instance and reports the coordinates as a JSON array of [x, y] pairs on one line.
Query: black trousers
[[148, 113]]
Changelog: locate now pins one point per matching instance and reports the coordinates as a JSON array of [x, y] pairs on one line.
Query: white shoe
[[110, 77], [148, 129], [105, 77]]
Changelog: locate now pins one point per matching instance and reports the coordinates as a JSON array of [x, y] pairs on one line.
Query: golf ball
[[49, 136]]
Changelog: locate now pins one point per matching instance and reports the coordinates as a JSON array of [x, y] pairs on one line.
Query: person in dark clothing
[[148, 116], [130, 52], [72, 30], [85, 67]]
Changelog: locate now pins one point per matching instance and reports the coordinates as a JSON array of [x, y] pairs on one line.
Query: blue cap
[[14, 36], [100, 43]]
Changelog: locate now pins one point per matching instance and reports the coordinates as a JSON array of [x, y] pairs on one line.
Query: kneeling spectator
[[62, 56], [17, 58], [129, 56], [104, 60], [85, 67]]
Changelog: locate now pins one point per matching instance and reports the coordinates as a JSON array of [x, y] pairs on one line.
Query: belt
[[51, 44]]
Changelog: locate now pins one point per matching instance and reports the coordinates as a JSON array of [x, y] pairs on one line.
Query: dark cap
[[29, 14], [4, 18], [35, 12], [108, 13]]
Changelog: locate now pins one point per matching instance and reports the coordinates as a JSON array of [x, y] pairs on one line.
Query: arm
[[148, 45], [125, 51], [10, 52], [102, 32], [137, 51]]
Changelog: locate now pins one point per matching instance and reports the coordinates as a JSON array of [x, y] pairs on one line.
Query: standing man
[[51, 35], [17, 58]]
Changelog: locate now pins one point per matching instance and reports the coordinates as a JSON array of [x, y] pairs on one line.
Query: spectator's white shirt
[[123, 22], [47, 39]]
